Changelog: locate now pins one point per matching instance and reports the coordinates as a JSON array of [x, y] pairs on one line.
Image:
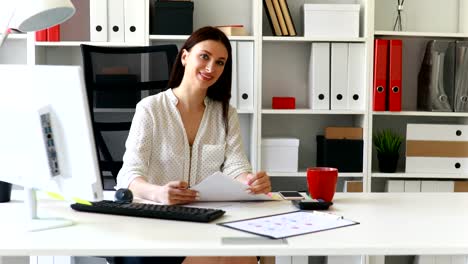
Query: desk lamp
[[33, 15]]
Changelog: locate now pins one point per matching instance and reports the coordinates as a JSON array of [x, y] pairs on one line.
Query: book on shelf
[[233, 30], [287, 17], [272, 19], [279, 14], [53, 33], [49, 34], [41, 35]]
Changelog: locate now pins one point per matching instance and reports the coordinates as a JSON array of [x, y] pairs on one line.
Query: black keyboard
[[171, 212]]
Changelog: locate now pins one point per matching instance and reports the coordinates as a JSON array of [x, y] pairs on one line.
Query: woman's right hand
[[176, 192]]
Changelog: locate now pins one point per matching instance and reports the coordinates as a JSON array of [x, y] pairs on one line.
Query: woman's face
[[204, 63]]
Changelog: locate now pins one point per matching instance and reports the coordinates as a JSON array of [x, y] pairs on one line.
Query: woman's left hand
[[258, 183]]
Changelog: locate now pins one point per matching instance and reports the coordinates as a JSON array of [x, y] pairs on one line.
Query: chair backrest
[[117, 78]]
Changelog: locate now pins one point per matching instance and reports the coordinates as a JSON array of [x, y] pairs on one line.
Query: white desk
[[391, 224]]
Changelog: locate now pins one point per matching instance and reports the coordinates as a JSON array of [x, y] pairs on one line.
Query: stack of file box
[[436, 148]]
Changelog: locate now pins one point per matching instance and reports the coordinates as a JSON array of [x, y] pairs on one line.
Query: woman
[[180, 136]]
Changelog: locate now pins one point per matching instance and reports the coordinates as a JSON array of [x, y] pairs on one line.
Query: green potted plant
[[387, 143]]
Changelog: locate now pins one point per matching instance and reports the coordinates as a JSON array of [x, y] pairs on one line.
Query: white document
[[134, 21], [319, 76], [290, 224], [234, 88], [339, 76], [98, 20], [356, 76], [219, 187], [245, 75], [116, 30]]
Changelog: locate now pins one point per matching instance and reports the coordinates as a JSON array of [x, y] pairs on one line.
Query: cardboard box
[[343, 132], [353, 186], [331, 20], [460, 186], [280, 154]]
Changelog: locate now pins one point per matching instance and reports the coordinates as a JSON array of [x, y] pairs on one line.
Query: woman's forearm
[[145, 190]]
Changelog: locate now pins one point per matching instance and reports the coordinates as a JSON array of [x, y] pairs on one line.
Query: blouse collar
[[175, 100]]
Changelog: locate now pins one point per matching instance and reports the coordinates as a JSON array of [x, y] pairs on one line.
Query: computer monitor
[[46, 136]]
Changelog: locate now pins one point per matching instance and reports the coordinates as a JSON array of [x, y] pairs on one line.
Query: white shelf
[[311, 112], [420, 34], [420, 175], [243, 111], [168, 37], [311, 39], [184, 37], [420, 113], [304, 174], [78, 43], [17, 36]]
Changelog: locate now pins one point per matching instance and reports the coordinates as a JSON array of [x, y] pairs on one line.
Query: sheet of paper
[[219, 187], [290, 224]]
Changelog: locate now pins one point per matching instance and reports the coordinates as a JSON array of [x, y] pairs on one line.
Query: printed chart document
[[219, 187], [290, 224]]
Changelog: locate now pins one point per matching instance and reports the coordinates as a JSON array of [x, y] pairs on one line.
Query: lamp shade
[[35, 15]]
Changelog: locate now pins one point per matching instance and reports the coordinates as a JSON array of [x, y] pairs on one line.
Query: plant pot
[[388, 162], [5, 192]]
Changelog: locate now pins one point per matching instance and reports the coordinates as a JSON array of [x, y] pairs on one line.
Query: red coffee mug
[[321, 182]]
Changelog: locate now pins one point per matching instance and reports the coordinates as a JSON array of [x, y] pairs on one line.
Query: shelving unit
[[434, 21], [280, 66]]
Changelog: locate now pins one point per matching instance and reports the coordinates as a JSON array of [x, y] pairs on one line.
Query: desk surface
[[390, 224]]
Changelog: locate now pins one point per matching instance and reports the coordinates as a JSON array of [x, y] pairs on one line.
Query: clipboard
[[295, 223]]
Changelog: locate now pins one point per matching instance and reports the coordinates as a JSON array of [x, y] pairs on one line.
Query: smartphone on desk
[[291, 195]]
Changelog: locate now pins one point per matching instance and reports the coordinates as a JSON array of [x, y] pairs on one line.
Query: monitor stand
[[34, 222]]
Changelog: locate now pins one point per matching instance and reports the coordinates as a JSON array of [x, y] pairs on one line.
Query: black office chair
[[118, 77]]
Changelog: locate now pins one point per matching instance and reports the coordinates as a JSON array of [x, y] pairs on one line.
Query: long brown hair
[[221, 89]]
